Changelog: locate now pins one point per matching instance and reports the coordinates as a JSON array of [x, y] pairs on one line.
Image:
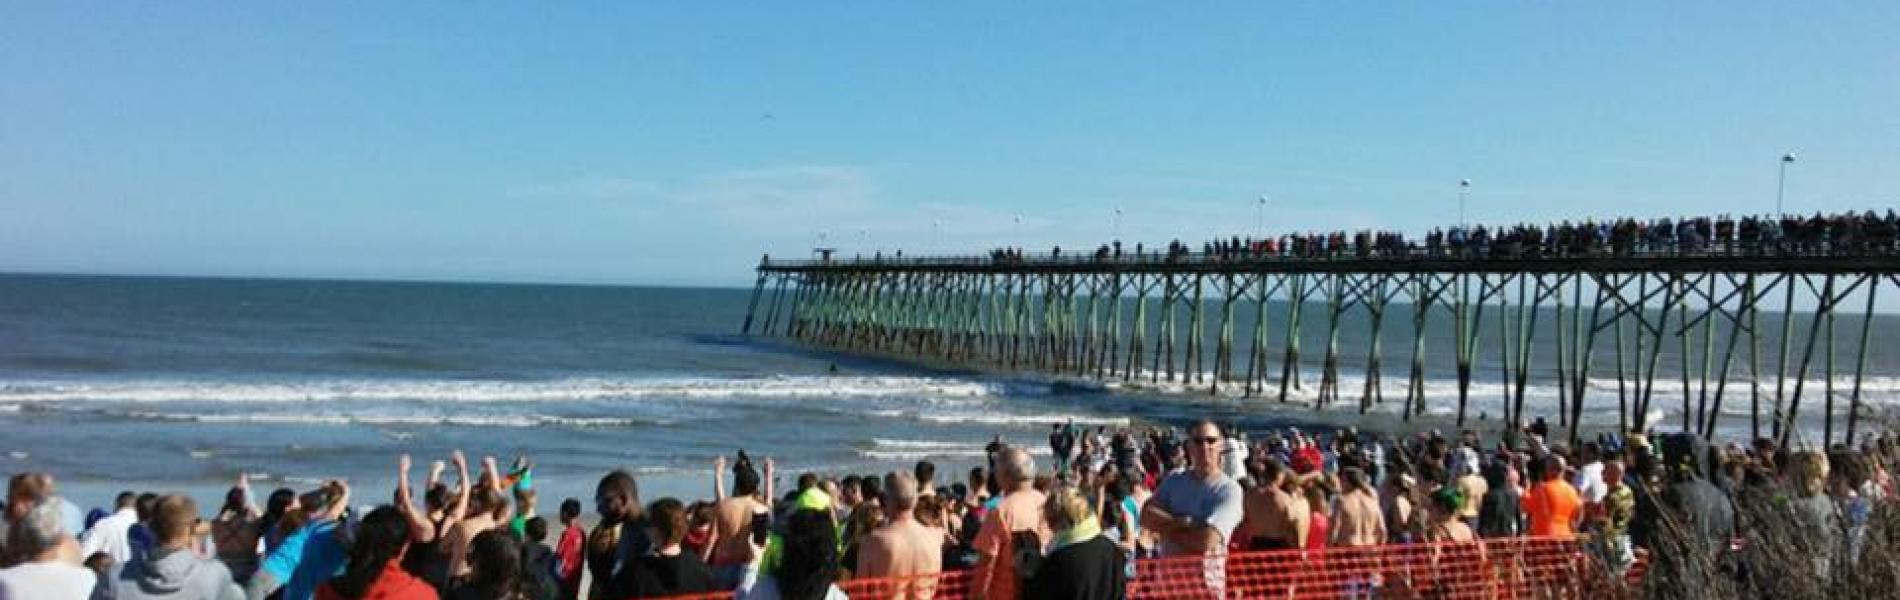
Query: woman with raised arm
[[427, 557], [236, 529]]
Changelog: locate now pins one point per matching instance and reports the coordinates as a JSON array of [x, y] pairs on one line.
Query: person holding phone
[[745, 518]]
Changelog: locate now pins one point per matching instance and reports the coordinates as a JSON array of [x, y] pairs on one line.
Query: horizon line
[[346, 279]]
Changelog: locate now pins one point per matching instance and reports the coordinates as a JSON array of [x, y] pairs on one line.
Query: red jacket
[[393, 584]]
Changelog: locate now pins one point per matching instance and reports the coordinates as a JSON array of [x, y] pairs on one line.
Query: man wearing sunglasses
[[1195, 511]]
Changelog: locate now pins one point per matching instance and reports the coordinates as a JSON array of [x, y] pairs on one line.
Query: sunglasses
[[1208, 440]]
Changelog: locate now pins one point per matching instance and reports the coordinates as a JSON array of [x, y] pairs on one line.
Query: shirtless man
[[902, 547], [1276, 514], [732, 519], [1359, 521], [487, 507]]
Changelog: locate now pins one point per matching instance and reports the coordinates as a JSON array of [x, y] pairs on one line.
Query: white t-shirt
[[112, 535], [1235, 463], [1590, 484], [47, 581]]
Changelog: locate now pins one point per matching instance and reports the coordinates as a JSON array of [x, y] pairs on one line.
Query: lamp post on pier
[[1464, 188], [1781, 182]]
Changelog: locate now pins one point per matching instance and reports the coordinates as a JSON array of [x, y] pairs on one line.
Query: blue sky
[[673, 143]]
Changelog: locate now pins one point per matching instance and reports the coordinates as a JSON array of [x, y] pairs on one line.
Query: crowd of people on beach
[[1838, 234], [1078, 526]]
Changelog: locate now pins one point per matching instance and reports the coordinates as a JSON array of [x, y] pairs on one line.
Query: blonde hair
[[1809, 472], [1067, 506]]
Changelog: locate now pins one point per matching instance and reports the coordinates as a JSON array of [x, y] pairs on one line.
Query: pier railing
[[1759, 259]]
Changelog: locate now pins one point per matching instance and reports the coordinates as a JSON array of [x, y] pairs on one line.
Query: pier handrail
[[1768, 257]]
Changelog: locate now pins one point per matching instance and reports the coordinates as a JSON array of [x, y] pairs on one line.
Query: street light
[[1019, 230], [936, 234], [1115, 226], [1781, 185], [1260, 217], [1464, 187]]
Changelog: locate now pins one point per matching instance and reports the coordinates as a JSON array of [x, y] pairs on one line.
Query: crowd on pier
[[1839, 234], [1075, 526]]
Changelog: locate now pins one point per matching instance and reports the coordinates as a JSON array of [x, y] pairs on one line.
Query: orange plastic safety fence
[[1491, 569]]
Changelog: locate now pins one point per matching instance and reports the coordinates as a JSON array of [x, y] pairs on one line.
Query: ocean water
[[182, 384], [117, 383]]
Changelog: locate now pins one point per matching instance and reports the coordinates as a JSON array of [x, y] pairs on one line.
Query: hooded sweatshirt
[[172, 574]]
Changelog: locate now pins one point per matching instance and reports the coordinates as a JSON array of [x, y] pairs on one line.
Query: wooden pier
[[1147, 316]]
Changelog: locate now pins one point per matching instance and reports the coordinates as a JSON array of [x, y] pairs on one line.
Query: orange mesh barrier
[[1492, 569]]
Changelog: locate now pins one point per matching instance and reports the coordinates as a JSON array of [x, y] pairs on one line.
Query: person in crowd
[[1468, 477], [700, 518], [1276, 514], [141, 535], [427, 556], [537, 561], [1553, 505], [569, 551], [1082, 563], [1611, 517], [926, 474], [1121, 516], [1196, 511], [736, 515], [903, 547], [1357, 520], [1061, 445], [236, 529], [487, 509], [805, 564], [667, 569], [1816, 515], [1446, 524], [374, 570], [25, 491], [171, 570], [1694, 509], [272, 524], [621, 534], [1013, 525], [857, 529], [45, 557], [1398, 502], [312, 553], [113, 534], [1234, 455], [1500, 512], [847, 497], [1589, 477], [494, 572]]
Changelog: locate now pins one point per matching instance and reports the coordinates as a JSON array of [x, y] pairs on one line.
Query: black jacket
[[1090, 570], [655, 576]]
